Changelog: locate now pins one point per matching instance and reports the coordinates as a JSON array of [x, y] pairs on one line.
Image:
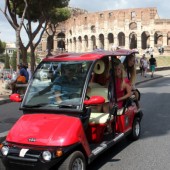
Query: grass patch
[[162, 61]]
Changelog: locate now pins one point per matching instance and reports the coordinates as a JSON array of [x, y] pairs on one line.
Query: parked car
[[69, 133]]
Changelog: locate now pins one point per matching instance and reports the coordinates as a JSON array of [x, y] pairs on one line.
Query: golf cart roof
[[89, 56]]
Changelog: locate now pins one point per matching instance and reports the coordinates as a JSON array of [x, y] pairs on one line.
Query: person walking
[[141, 65], [145, 66], [152, 64]]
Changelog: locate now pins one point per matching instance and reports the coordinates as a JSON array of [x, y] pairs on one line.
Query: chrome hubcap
[[137, 129], [77, 164]]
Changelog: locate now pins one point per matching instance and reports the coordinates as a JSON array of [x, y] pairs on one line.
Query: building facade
[[10, 48], [137, 28]]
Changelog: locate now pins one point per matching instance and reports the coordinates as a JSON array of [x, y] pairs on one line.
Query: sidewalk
[[162, 71], [4, 94]]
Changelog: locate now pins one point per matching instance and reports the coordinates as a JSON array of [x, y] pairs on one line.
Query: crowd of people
[[146, 64]]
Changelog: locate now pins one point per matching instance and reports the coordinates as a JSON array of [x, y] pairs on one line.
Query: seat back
[[99, 118]]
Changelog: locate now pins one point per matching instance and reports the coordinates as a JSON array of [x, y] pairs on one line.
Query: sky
[[7, 33]]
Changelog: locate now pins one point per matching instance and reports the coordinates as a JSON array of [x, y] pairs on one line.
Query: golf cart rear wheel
[[136, 130], [75, 161]]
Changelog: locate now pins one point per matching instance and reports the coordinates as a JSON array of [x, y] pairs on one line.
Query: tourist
[[152, 64]]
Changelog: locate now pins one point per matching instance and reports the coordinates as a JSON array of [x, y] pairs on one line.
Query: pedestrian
[[151, 51], [152, 64], [162, 49], [141, 65], [24, 70], [28, 71], [145, 66]]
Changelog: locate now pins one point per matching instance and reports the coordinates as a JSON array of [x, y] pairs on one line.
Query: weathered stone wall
[[137, 28]]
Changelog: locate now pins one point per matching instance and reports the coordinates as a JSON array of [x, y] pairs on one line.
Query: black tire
[[8, 168], [75, 161], [136, 130]]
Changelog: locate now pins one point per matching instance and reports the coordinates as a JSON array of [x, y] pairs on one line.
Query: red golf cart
[[62, 127]]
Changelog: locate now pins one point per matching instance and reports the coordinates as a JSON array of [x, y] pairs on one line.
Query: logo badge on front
[[31, 139]]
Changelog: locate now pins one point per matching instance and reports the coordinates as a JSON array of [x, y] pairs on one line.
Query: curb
[[148, 80], [4, 101]]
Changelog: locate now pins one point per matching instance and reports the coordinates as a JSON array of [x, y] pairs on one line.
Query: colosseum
[[137, 28]]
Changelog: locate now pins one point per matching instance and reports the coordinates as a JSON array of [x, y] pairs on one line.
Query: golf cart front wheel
[[75, 161]]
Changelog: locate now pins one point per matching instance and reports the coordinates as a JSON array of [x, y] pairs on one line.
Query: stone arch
[[110, 38], [86, 42], [133, 40], [101, 41], [133, 26], [50, 43], [60, 35], [168, 38], [79, 43], [66, 45], [145, 40], [93, 39], [121, 39], [71, 45], [61, 44], [74, 44], [158, 38], [61, 41]]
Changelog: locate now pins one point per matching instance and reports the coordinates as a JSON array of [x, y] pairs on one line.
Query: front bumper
[[32, 160]]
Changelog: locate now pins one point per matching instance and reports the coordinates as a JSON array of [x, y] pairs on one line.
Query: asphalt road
[[151, 151], [9, 114]]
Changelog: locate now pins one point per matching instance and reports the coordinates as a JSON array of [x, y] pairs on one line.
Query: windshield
[[57, 84]]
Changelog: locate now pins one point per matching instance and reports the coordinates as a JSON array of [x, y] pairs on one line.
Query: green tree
[[57, 15], [2, 58], [33, 17], [7, 64], [2, 47], [13, 61]]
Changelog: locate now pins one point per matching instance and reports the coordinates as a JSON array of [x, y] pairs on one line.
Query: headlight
[[5, 150], [46, 155]]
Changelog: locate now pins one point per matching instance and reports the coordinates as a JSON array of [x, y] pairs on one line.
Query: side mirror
[[94, 100], [15, 97]]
